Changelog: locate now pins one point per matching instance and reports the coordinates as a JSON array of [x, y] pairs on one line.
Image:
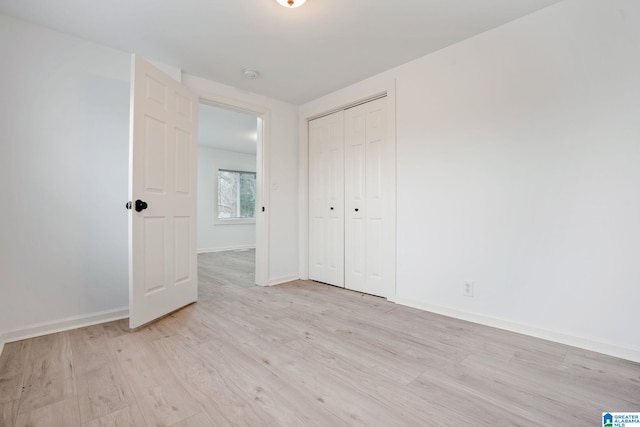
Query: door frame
[[262, 176], [332, 103]]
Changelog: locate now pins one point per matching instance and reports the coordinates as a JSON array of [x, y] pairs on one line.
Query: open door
[[162, 189]]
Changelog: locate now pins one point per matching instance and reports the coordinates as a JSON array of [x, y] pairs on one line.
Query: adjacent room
[[320, 212], [227, 159]]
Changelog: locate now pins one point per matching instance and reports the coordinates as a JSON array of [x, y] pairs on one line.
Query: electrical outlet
[[467, 289]]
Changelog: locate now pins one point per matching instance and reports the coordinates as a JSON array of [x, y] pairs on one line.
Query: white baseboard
[[611, 349], [225, 248], [47, 328], [283, 279]]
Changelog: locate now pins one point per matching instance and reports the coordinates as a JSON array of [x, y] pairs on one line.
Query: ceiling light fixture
[[291, 3], [250, 74]]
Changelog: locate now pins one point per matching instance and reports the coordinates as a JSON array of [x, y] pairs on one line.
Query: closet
[[352, 199]]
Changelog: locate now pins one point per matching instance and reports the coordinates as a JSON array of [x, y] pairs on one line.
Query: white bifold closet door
[[370, 201], [352, 200], [326, 199]]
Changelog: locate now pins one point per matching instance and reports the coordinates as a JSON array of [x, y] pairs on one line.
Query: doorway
[[163, 170], [230, 178]]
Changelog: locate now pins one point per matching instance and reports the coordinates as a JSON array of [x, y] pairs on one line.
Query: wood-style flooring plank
[[129, 416], [208, 383], [90, 349], [162, 399], [310, 368], [48, 375], [13, 363], [62, 413], [265, 391], [102, 391], [198, 420], [8, 413]]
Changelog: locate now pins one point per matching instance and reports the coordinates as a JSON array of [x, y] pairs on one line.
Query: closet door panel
[[326, 200], [317, 221], [380, 201], [355, 199]]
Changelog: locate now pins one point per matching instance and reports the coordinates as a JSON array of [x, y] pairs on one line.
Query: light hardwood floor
[[304, 354]]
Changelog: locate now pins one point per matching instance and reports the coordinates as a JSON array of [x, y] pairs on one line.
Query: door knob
[[331, 207], [128, 205], [356, 209], [141, 205]]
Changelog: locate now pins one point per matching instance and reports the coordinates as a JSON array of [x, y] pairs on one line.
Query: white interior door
[[162, 175], [326, 199]]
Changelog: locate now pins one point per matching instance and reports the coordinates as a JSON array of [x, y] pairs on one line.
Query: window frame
[[216, 180]]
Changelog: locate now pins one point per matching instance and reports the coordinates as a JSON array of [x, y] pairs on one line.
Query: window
[[236, 195]]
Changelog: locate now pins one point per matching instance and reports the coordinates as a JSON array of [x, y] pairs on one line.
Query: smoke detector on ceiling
[[250, 74]]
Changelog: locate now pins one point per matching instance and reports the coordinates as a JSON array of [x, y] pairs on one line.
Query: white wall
[[213, 236], [518, 168], [64, 119], [283, 185]]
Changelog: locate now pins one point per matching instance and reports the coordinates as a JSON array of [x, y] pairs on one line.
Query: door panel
[[154, 151], [183, 171], [154, 262], [355, 244], [182, 243], [357, 262], [381, 201], [162, 242], [326, 200], [369, 200]]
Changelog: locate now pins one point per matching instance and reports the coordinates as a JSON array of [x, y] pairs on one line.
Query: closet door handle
[[331, 207], [356, 209]]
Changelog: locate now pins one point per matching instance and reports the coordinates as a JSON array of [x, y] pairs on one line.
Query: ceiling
[[227, 129], [301, 53]]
